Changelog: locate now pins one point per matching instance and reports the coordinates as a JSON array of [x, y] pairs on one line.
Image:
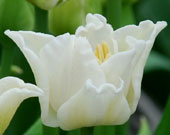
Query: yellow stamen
[[102, 52]]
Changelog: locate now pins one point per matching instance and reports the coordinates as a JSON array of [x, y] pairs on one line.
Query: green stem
[[122, 129], [127, 15], [41, 20], [7, 57], [87, 131], [114, 9], [50, 130], [62, 132]]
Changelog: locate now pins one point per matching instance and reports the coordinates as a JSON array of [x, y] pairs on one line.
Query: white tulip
[[93, 77], [12, 92]]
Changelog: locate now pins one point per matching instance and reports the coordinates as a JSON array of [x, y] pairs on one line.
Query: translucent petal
[[12, 92]]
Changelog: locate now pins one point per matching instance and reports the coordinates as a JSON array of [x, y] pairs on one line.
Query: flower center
[[102, 52]]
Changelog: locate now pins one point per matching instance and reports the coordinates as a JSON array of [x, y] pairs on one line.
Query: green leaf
[[52, 131], [104, 130], [87, 131], [74, 132], [122, 129], [144, 128], [36, 128], [163, 127], [157, 61], [112, 130], [16, 15], [39, 129]]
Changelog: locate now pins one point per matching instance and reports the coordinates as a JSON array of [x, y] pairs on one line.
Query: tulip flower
[[12, 92], [90, 78]]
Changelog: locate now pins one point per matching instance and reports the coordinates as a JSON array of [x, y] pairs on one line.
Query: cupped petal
[[97, 31], [105, 105], [12, 92], [144, 31], [69, 62], [148, 40], [30, 43]]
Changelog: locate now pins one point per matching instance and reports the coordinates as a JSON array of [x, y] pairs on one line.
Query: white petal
[[147, 32], [120, 65], [92, 106], [12, 92], [69, 62], [31, 40], [30, 43], [97, 31], [96, 19]]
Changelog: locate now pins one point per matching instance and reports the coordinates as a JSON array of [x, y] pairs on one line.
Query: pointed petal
[[30, 40], [92, 106], [12, 92], [30, 43]]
